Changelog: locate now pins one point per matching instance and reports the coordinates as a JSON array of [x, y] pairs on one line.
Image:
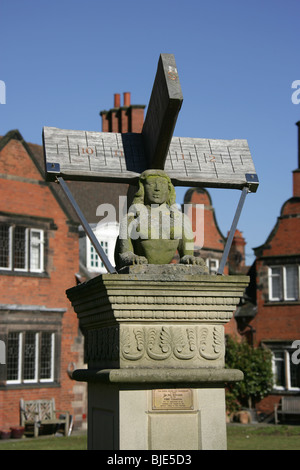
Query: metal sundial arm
[[238, 211], [86, 226]]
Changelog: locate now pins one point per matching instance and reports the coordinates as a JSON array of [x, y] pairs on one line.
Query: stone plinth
[[156, 328]]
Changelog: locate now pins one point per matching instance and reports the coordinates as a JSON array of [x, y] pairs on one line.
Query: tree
[[256, 364]]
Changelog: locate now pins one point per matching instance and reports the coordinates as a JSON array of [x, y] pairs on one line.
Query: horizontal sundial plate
[[101, 156]]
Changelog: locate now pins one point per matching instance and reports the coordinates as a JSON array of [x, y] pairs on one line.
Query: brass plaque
[[172, 399]]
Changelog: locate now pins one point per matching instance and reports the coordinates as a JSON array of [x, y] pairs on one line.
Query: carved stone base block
[[155, 348]]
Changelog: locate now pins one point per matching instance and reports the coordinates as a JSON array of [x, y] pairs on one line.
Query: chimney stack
[[126, 118], [117, 100], [126, 98]]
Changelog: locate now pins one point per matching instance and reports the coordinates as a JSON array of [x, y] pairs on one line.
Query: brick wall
[[278, 321], [23, 192]]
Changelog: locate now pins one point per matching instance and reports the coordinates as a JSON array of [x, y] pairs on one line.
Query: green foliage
[[256, 364]]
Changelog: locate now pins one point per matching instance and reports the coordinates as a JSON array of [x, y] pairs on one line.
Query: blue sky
[[62, 61]]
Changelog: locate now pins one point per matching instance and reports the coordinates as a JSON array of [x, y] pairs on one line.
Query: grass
[[239, 437], [263, 437], [74, 442]]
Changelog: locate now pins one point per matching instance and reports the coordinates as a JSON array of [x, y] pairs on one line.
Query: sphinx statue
[[154, 229]]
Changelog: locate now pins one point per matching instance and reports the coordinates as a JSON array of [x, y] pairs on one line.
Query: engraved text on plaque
[[172, 399]]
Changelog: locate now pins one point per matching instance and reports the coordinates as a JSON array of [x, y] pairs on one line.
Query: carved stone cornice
[[122, 297], [139, 320]]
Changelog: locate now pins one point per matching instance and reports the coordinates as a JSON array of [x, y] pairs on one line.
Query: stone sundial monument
[[154, 331]]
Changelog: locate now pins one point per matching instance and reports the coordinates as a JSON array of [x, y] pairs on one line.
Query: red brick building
[[271, 316], [38, 261]]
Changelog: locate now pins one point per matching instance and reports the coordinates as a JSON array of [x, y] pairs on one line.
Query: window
[[106, 234], [213, 265], [284, 283], [30, 357], [36, 250], [5, 246], [286, 373], [105, 248], [21, 248], [94, 262]]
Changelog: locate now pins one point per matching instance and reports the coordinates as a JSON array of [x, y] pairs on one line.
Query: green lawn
[[239, 437], [75, 442], [263, 437]]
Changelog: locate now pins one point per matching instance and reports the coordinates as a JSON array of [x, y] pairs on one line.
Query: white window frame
[[18, 380], [282, 278], [285, 282], [36, 378], [40, 245], [36, 360], [287, 375], [89, 247], [51, 378], [26, 254], [108, 251], [105, 249], [270, 278], [29, 246], [9, 267]]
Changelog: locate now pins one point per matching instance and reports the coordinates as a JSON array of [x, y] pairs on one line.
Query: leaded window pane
[[36, 250], [46, 356], [291, 282], [13, 351], [279, 375], [20, 248], [276, 283], [294, 374], [4, 246], [94, 258], [29, 371]]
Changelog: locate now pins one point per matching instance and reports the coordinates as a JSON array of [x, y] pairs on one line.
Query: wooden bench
[[287, 406], [37, 413]]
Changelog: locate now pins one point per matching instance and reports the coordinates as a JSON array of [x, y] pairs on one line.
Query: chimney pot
[[117, 100], [126, 98]]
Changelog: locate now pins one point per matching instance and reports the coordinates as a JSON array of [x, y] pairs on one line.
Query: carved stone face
[[156, 190]]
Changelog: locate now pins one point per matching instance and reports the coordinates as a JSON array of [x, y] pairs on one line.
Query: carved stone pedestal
[[154, 345]]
